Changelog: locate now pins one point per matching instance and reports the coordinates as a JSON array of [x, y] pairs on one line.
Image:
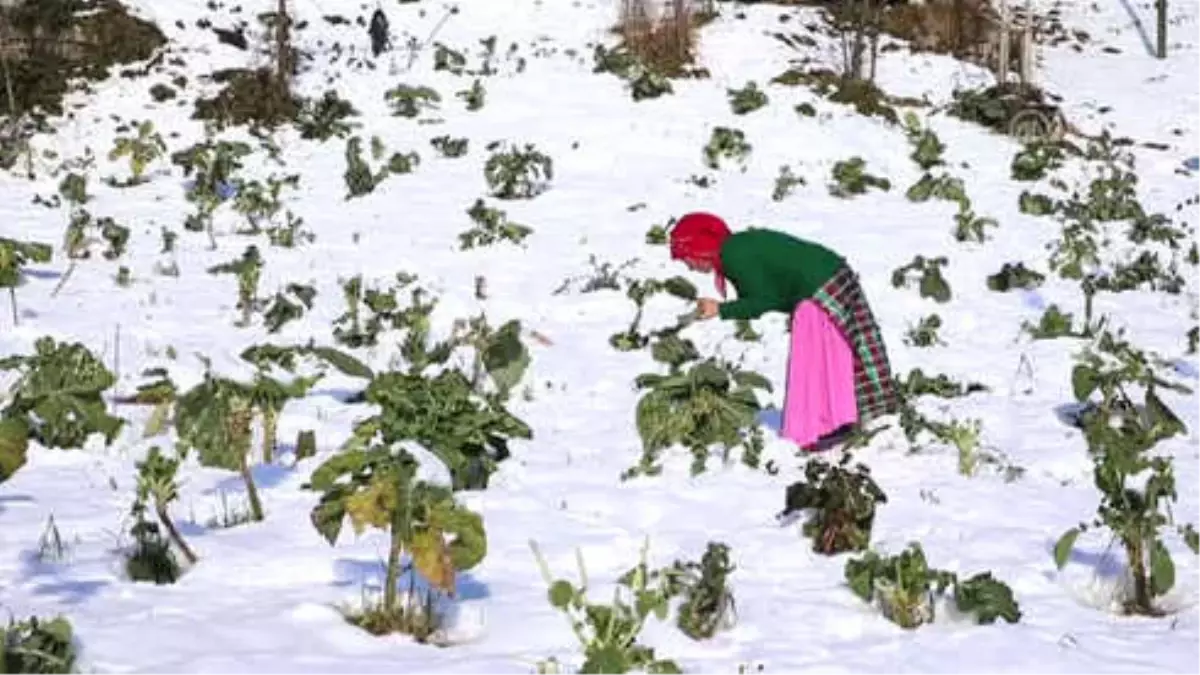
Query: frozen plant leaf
[[372, 506], [680, 288], [987, 598], [505, 357], [1083, 382], [1162, 569], [560, 594], [432, 560], [1062, 549], [14, 443]]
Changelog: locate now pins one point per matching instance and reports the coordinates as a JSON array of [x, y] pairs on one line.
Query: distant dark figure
[[380, 41]]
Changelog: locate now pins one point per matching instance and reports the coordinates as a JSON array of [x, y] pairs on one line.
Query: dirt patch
[[47, 45]]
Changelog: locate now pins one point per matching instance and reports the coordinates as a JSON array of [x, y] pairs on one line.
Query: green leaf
[[1191, 538], [505, 357], [14, 444], [1162, 569], [343, 362], [159, 418], [752, 380], [680, 288], [1062, 549], [1083, 382], [561, 593], [328, 514]]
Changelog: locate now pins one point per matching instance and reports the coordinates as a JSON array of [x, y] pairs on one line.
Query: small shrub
[[726, 144], [925, 333], [851, 178], [407, 101], [491, 226], [518, 173], [37, 646], [785, 183], [141, 150], [842, 504], [450, 147], [904, 587], [747, 99], [928, 271], [608, 634], [326, 117]]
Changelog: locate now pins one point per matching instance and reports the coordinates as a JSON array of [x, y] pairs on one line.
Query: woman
[[838, 372]]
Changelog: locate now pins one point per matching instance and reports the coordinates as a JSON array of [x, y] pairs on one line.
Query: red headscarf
[[697, 237]]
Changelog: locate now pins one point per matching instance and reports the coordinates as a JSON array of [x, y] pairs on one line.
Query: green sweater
[[773, 271]]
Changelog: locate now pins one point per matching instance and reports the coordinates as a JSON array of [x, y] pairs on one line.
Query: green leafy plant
[[517, 173], [1036, 159], [747, 99], [475, 96], [904, 587], [491, 226], [644, 81], [453, 415], [38, 646], [842, 502], [450, 147], [288, 305], [608, 634], [928, 271], [14, 256], [376, 487], [707, 605], [726, 144], [59, 394], [925, 332], [850, 178], [157, 486], [705, 404], [785, 183], [212, 166], [142, 150], [408, 101], [325, 117], [215, 418], [1136, 487], [260, 203], [640, 291], [361, 179], [1015, 276], [248, 270], [927, 147], [14, 446]]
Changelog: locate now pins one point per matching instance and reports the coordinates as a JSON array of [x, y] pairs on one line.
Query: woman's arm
[[756, 295]]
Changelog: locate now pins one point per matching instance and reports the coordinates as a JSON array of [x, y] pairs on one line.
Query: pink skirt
[[820, 378]]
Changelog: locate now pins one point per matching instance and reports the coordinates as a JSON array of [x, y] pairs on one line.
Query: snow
[[263, 597]]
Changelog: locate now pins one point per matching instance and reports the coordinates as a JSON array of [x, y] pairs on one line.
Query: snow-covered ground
[[262, 598]]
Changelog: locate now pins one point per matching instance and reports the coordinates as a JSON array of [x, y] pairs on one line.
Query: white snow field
[[264, 596]]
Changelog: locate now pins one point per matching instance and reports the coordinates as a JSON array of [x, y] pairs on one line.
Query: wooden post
[[1161, 6], [1027, 45], [1002, 69]]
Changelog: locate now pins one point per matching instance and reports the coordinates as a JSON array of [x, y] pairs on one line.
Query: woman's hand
[[706, 308]]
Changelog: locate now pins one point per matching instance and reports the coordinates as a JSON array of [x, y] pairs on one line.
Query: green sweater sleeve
[[772, 271], [757, 291]]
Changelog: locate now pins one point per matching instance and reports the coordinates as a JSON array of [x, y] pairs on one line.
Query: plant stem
[[173, 532], [270, 433], [392, 577], [12, 300], [1141, 586], [240, 433]]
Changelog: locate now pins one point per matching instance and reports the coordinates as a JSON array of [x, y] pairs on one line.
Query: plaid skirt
[[874, 387]]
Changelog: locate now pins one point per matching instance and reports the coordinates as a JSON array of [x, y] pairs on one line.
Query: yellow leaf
[[157, 423], [432, 559], [371, 506]]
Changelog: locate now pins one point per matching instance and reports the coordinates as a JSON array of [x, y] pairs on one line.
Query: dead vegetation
[[45, 45], [259, 96], [662, 35]]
